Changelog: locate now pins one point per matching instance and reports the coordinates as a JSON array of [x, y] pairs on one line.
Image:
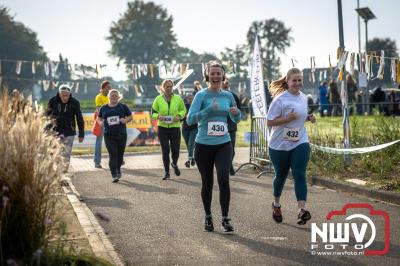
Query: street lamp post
[[366, 14]]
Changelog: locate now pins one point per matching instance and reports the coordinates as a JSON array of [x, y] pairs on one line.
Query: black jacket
[[66, 115], [232, 126]]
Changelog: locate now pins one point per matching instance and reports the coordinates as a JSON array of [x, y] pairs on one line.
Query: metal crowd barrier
[[259, 157]]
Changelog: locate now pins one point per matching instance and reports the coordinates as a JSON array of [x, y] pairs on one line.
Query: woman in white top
[[288, 145]]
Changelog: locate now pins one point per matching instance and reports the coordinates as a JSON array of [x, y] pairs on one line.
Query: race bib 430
[[217, 128], [291, 134]]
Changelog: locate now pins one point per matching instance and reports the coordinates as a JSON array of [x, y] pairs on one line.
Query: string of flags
[[50, 68], [364, 63]]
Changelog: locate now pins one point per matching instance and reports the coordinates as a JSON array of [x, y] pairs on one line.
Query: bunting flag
[[53, 67], [160, 69], [139, 73], [137, 90], [152, 71], [371, 70], [182, 69], [144, 70], [33, 67], [46, 84], [398, 71], [55, 84], [172, 69], [18, 67], [46, 68], [352, 58], [313, 69], [381, 69], [393, 70], [133, 70], [341, 64]]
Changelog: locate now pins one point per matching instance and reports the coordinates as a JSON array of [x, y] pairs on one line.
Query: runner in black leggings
[[113, 118], [210, 109], [169, 109]]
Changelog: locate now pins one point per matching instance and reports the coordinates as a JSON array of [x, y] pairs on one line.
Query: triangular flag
[[33, 67], [18, 67], [46, 68], [152, 71]]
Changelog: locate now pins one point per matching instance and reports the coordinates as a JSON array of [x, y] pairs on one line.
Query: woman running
[[169, 109], [288, 146], [209, 110], [113, 118]]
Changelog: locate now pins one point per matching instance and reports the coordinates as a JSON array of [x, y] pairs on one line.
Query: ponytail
[[280, 85]]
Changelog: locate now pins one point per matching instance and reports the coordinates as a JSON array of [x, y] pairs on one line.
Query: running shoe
[[166, 176], [115, 179], [277, 213], [208, 224], [303, 217], [226, 225], [187, 164], [176, 169], [192, 162]]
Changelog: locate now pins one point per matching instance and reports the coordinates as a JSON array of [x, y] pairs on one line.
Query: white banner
[[257, 89]]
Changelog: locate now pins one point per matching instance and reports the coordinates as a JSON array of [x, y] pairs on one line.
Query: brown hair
[[104, 84], [210, 64], [280, 85]]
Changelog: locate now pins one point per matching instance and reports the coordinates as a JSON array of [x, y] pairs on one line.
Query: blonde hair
[[165, 81], [280, 85], [117, 91]]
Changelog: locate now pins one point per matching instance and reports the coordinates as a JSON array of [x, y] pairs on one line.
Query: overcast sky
[[77, 28]]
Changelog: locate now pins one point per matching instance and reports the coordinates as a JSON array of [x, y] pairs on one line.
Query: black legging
[[206, 157], [170, 139], [116, 147]]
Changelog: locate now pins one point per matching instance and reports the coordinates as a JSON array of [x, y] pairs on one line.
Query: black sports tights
[[206, 157]]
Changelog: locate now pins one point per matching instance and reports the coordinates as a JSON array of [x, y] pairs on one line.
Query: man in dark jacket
[[232, 126], [66, 112]]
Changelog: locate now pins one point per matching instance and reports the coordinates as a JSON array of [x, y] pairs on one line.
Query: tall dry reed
[[30, 166]]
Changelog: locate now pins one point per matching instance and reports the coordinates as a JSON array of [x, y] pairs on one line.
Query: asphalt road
[[155, 222]]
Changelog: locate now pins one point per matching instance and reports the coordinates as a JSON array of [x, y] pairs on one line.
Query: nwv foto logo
[[336, 235]]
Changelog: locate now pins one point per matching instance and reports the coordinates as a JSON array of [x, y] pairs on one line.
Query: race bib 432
[[291, 134]]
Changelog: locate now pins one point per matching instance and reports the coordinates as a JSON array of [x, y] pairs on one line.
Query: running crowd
[[208, 122]]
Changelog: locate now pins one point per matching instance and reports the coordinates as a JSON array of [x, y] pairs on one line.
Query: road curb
[[97, 238], [387, 196]]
